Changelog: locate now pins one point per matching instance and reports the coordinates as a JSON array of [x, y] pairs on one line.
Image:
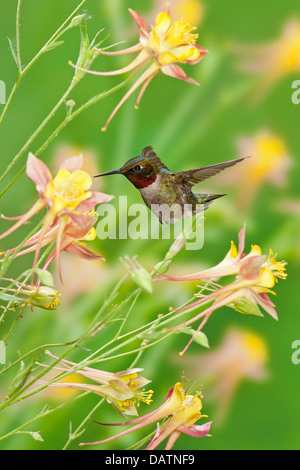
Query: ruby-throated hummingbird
[[169, 195]]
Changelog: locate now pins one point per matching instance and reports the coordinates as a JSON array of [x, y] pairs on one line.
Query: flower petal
[[38, 172], [72, 163], [163, 22], [196, 430], [95, 199], [202, 54], [264, 301], [40, 204], [242, 234], [250, 267], [144, 33], [175, 71], [83, 252]]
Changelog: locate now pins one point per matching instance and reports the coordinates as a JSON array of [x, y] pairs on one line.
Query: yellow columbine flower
[[69, 202], [269, 162], [276, 267], [120, 389], [275, 59], [172, 42], [160, 49], [255, 276], [68, 189], [179, 411]]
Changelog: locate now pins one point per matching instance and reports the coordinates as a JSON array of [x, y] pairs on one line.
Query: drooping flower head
[[121, 389], [179, 412], [166, 44], [68, 199], [255, 275]]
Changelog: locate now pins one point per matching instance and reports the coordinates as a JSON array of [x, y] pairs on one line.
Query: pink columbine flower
[[158, 50], [68, 200], [256, 274], [179, 412], [120, 389], [273, 60]]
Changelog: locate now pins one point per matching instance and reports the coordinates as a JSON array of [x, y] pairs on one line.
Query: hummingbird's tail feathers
[[192, 177], [207, 199]]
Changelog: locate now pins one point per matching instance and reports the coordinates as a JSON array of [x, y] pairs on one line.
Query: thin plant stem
[[22, 72], [37, 131], [58, 129], [42, 414], [19, 63], [79, 430]]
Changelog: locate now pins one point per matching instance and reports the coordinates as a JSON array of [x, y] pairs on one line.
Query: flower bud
[[44, 297], [139, 274]]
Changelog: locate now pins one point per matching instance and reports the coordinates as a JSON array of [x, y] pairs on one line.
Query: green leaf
[[4, 263], [14, 54], [9, 297], [21, 377], [199, 336], [54, 45], [36, 436], [45, 277], [246, 307]]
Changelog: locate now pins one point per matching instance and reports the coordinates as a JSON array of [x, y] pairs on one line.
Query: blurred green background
[[188, 127]]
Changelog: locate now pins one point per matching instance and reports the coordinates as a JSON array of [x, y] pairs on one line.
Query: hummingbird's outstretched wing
[[148, 152], [191, 177]]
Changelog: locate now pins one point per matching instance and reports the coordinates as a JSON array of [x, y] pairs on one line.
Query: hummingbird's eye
[[137, 168]]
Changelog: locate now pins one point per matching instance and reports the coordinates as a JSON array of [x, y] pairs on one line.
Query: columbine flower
[[276, 59], [269, 162], [41, 296], [73, 240], [67, 197], [160, 49], [256, 274], [120, 389], [179, 412], [242, 355]]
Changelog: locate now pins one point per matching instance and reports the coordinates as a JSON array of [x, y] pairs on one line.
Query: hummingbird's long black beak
[[112, 172]]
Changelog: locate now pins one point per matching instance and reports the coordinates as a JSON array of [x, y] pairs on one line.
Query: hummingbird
[[169, 194]]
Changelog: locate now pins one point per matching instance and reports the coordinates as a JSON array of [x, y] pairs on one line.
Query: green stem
[[79, 429], [22, 73], [73, 346], [58, 129], [19, 63], [37, 131], [42, 414]]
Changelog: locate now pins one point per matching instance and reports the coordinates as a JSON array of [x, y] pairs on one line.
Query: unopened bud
[[77, 20], [139, 274], [44, 297]]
